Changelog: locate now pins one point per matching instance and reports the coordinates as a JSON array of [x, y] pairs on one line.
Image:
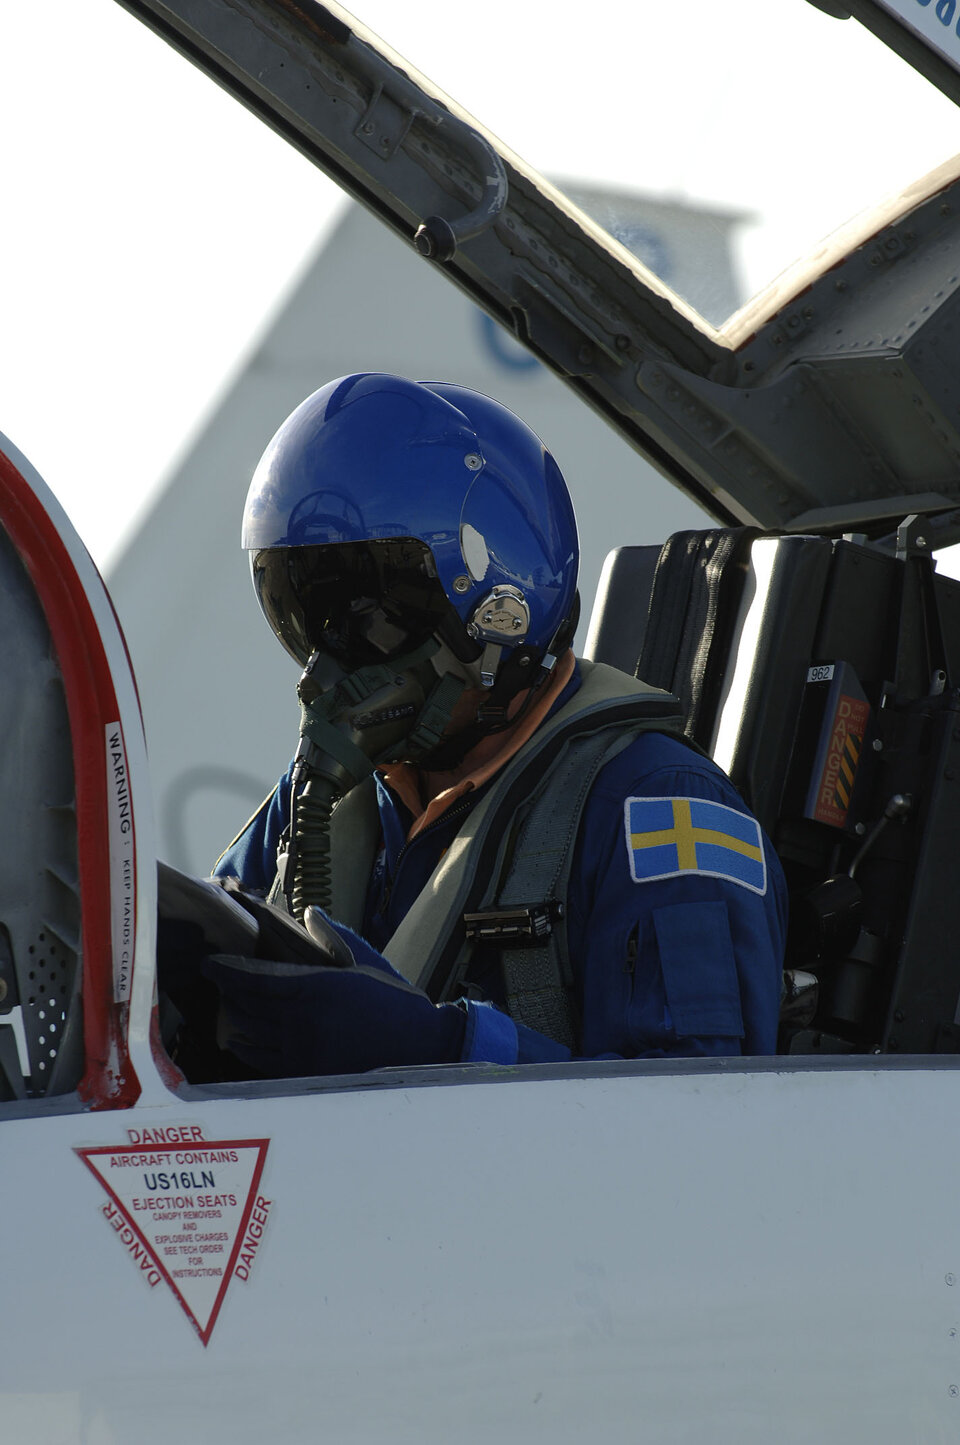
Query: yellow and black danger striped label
[[835, 787], [848, 769]]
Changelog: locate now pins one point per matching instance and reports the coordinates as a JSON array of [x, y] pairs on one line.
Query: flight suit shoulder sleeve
[[677, 910], [252, 855]]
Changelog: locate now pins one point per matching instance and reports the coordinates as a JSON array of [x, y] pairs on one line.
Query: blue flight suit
[[676, 910]]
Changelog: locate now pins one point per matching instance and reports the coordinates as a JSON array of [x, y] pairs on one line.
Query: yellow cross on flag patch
[[670, 836]]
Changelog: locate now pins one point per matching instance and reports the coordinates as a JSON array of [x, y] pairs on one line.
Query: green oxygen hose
[[312, 881]]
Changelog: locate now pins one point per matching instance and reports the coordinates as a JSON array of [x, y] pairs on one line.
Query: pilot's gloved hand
[[284, 1020]]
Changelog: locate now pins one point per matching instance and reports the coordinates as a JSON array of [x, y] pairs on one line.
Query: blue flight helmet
[[386, 512]]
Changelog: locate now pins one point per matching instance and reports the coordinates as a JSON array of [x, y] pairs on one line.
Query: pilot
[[526, 860]]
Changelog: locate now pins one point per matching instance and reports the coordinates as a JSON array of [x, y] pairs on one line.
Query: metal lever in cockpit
[[395, 105], [437, 238]]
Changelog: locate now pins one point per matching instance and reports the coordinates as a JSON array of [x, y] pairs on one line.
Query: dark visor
[[361, 602]]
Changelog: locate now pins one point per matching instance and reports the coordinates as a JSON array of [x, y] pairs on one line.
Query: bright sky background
[[151, 226]]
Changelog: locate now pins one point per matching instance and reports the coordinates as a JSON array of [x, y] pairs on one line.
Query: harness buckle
[[513, 927]]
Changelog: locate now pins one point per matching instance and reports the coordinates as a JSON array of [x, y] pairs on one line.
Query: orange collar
[[442, 790]]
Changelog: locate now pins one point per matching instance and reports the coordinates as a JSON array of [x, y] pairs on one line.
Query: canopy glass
[[718, 142]]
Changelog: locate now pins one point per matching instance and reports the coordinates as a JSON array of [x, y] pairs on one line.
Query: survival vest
[[503, 880]]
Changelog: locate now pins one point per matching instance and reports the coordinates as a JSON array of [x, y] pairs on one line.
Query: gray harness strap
[[354, 840], [538, 974]]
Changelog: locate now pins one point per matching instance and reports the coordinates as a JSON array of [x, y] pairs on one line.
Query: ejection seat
[[822, 675]]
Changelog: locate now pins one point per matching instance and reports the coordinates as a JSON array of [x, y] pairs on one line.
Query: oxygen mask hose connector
[[348, 722]]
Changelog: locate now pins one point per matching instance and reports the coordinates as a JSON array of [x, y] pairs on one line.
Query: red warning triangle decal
[[187, 1210]]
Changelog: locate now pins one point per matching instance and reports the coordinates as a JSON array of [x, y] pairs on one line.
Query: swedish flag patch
[[669, 836]]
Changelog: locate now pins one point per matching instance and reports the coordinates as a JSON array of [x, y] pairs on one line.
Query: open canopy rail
[[829, 405]]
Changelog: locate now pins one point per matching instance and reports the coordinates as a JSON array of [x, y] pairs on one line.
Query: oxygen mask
[[349, 721], [380, 682]]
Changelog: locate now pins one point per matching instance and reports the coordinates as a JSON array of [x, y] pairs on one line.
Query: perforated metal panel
[[40, 1008]]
